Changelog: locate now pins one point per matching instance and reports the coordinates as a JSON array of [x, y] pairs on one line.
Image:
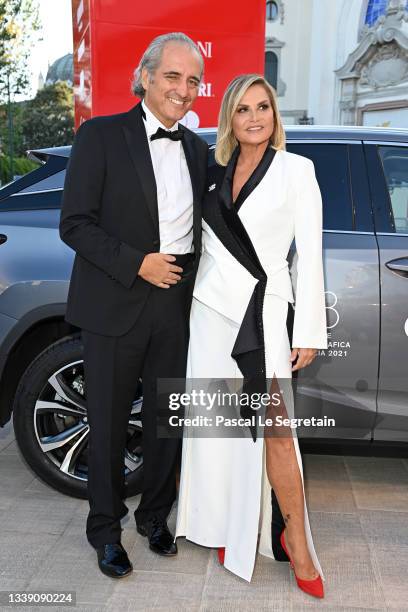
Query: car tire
[[50, 421]]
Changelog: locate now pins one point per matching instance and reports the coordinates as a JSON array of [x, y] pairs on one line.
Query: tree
[[48, 119], [17, 111], [19, 24]]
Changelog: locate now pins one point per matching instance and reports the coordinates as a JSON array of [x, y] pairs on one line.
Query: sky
[[56, 22]]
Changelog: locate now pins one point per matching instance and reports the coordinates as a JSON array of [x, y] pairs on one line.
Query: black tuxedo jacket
[[110, 218]]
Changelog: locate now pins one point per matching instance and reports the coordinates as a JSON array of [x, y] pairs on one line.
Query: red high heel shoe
[[311, 587], [221, 555]]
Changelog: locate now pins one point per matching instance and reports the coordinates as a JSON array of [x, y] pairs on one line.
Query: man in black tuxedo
[[131, 211]]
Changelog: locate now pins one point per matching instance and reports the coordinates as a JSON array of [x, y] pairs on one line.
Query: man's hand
[[157, 269], [304, 357]]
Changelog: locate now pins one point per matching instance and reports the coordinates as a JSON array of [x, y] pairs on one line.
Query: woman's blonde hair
[[226, 141]]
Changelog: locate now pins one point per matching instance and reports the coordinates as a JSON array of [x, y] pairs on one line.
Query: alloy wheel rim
[[62, 429]]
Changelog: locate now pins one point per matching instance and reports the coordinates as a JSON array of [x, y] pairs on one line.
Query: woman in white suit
[[259, 198]]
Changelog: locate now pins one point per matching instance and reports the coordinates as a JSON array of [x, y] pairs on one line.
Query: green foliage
[[48, 119], [22, 165], [19, 24], [17, 109], [45, 121]]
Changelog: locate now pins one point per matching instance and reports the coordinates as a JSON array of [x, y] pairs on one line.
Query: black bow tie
[[175, 135]]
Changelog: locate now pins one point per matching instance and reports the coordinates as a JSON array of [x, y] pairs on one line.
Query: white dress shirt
[[174, 191]]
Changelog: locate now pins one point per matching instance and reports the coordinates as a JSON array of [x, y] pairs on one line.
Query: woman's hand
[[304, 357]]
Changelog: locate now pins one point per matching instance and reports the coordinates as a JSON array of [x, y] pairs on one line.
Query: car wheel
[[51, 425]]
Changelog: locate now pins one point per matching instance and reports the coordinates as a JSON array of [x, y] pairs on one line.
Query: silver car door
[[388, 174], [341, 383]]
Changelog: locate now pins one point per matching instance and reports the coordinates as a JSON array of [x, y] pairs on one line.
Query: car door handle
[[400, 266], [3, 238]]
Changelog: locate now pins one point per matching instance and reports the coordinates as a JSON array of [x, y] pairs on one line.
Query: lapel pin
[[211, 187]]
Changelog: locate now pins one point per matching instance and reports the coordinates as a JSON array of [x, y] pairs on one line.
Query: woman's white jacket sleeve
[[309, 329]]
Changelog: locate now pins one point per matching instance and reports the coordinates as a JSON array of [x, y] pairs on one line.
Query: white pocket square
[[211, 187]]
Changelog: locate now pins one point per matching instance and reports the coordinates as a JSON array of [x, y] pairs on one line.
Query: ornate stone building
[[339, 61]]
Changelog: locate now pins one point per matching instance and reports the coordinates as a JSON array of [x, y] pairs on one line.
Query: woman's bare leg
[[285, 479]]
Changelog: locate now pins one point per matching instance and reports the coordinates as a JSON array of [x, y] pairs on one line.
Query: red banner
[[110, 37]]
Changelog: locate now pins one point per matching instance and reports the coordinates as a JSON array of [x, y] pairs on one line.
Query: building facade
[[339, 61]]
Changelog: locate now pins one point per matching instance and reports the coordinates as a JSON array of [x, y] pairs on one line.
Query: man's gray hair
[[152, 57]]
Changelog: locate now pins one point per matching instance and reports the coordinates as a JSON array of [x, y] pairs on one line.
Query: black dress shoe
[[113, 561], [160, 539]]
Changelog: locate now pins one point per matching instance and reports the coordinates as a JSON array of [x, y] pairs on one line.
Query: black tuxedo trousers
[[154, 348]]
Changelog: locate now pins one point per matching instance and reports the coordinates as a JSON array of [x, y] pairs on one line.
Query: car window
[[55, 181], [40, 189], [395, 164], [331, 163]]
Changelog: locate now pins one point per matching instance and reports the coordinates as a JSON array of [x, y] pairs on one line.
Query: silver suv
[[360, 380]]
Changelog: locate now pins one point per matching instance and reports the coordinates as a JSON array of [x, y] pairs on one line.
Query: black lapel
[[221, 225], [225, 216], [192, 160], [136, 139]]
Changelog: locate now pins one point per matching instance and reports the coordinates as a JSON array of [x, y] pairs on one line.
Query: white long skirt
[[225, 496]]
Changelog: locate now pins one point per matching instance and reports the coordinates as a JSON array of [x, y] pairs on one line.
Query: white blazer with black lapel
[[110, 218], [282, 202]]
